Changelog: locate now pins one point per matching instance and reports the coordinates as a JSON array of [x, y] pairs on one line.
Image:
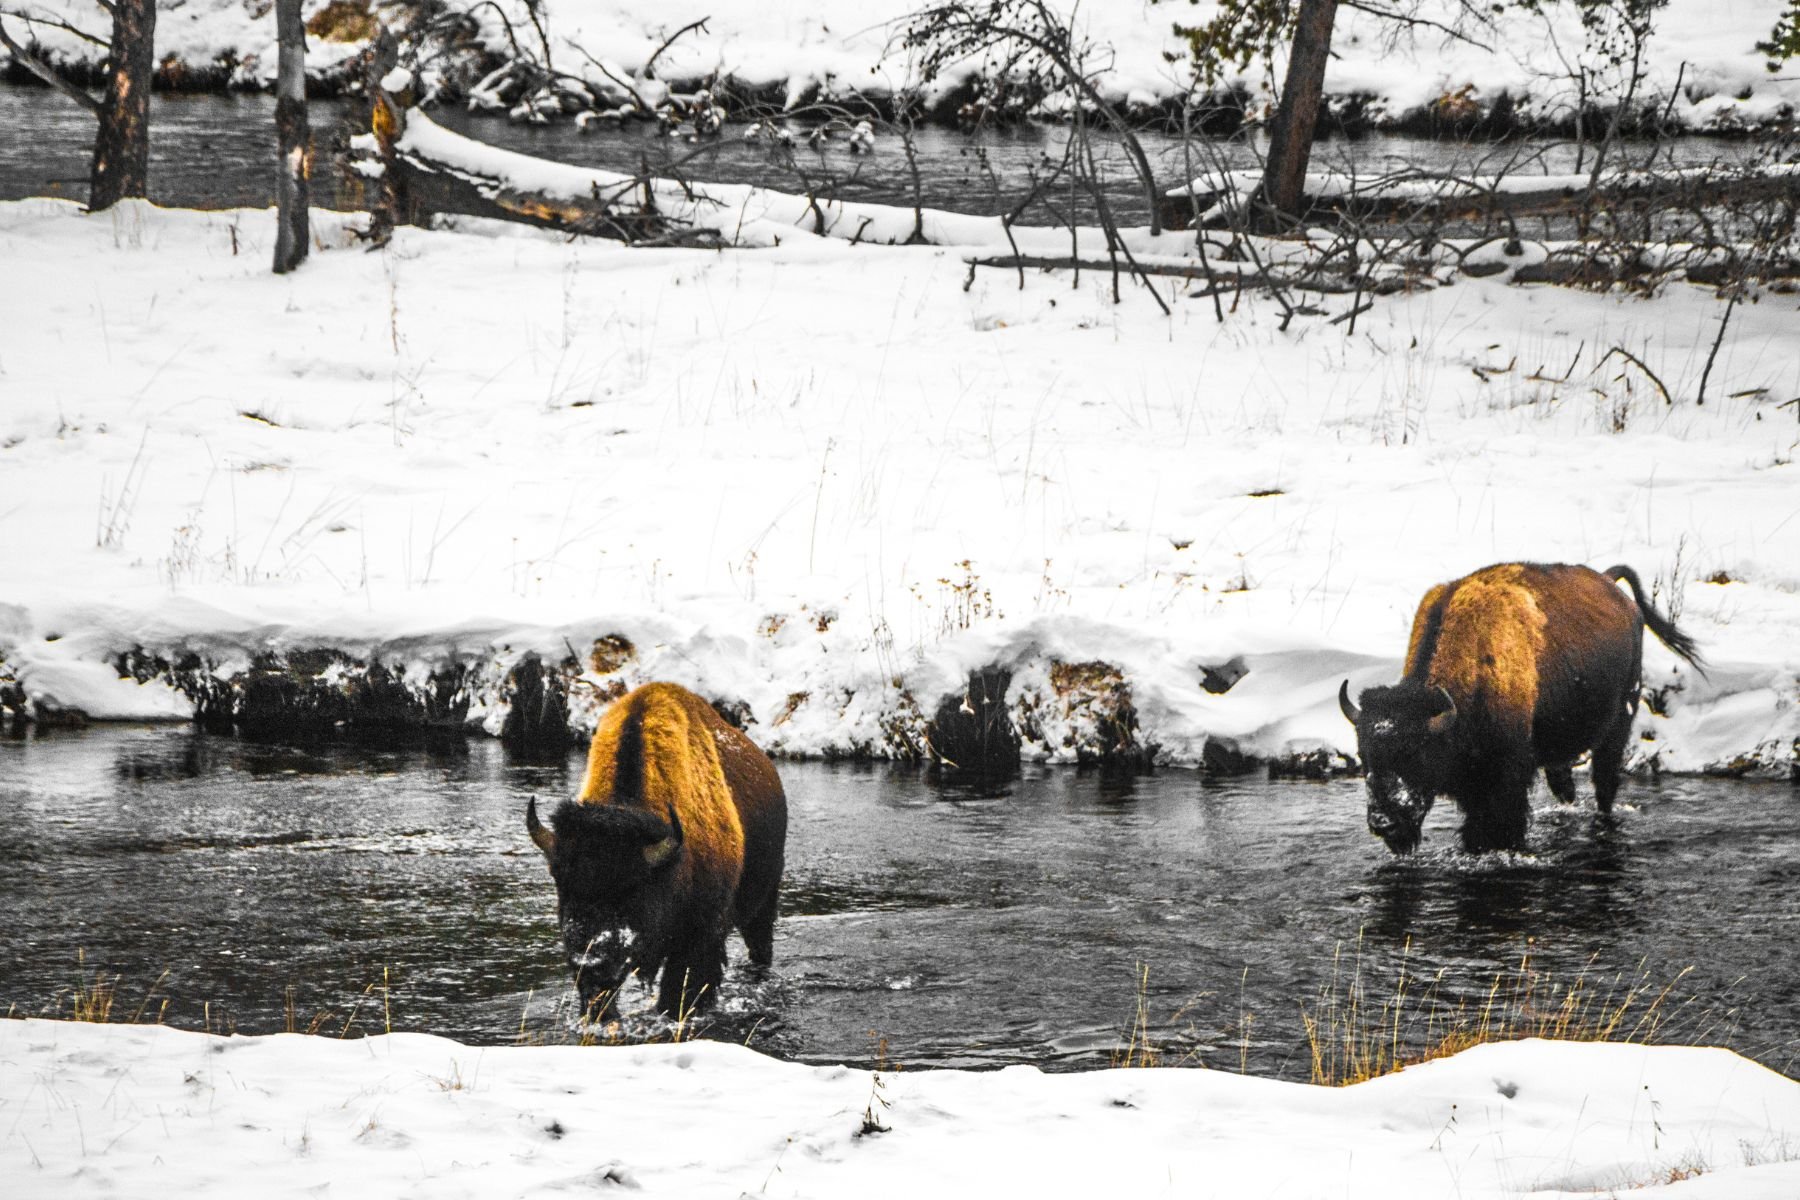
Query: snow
[[94, 1110], [833, 47], [828, 477], [767, 468]]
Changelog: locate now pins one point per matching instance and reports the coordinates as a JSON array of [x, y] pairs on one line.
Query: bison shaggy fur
[[677, 836], [1517, 667]]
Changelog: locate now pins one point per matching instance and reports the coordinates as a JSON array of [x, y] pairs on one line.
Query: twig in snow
[[1628, 356], [1706, 374]]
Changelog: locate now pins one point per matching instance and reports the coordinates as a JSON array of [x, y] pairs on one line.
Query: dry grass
[[94, 998], [343, 21], [1138, 1046], [1139, 1050], [1353, 1036]]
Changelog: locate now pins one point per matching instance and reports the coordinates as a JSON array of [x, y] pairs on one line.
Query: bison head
[[613, 867], [1399, 737]]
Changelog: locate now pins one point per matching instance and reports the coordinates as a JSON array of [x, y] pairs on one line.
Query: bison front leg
[[691, 978], [1497, 817], [759, 933]]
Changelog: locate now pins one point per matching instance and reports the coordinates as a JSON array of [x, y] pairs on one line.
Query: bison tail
[[1661, 626]]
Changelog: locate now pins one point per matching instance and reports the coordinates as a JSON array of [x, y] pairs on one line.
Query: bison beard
[[677, 836], [1516, 667]]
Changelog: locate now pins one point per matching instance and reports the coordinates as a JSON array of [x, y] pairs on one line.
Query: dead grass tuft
[[344, 21], [1353, 1036]]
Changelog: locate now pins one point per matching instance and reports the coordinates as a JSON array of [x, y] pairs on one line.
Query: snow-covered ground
[[1701, 63], [827, 479], [144, 1110]]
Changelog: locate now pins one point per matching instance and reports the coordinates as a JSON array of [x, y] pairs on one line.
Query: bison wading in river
[[1516, 667], [677, 836]]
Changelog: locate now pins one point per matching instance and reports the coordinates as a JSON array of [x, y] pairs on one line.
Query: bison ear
[[1446, 716], [1352, 713], [546, 841], [660, 852]]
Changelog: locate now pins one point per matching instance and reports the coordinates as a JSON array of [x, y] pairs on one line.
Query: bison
[[1515, 667], [677, 836]]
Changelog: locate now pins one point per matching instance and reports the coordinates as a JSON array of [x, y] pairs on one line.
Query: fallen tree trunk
[[1433, 198], [418, 186], [1325, 282], [430, 187]]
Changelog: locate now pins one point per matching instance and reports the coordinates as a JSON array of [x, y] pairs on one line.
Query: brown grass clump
[[94, 999], [1138, 1047], [1139, 1050], [343, 21], [1353, 1037]]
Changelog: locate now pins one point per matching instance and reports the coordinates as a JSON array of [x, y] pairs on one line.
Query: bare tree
[[294, 140], [121, 165], [1278, 197], [1243, 30], [1034, 52]]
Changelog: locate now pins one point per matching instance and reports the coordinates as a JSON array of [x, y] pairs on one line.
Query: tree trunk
[[294, 140], [122, 147], [1279, 196]]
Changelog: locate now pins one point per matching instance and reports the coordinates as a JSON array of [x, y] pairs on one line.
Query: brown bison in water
[[1516, 667], [677, 836]]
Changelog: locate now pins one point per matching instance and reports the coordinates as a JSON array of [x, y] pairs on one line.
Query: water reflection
[[966, 923]]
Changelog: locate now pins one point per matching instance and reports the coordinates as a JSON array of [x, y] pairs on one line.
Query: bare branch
[[1628, 356], [31, 19], [43, 71], [636, 97], [1415, 21], [670, 41]]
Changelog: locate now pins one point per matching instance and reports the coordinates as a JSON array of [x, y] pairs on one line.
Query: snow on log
[[445, 172], [1420, 195]]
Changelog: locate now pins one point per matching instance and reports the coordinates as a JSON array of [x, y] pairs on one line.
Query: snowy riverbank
[[822, 482], [1702, 70], [94, 1109]]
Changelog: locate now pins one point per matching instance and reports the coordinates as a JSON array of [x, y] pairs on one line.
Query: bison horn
[[1352, 713], [658, 853], [546, 841], [1446, 716]]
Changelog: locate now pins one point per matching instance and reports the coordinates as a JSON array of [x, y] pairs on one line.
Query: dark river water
[[218, 151], [236, 886]]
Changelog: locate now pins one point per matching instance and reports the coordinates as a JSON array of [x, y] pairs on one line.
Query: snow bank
[[93, 1110], [231, 42], [822, 482], [1702, 65]]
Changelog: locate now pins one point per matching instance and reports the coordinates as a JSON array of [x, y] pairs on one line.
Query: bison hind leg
[[1609, 762], [1561, 779], [759, 933]]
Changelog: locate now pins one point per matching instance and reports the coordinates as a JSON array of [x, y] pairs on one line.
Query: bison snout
[[1400, 834], [600, 962]]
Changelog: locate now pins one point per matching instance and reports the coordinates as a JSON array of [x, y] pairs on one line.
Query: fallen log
[[1333, 283], [1333, 200], [430, 188], [419, 185]]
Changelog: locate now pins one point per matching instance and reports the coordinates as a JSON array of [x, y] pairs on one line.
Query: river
[[230, 885], [218, 151]]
